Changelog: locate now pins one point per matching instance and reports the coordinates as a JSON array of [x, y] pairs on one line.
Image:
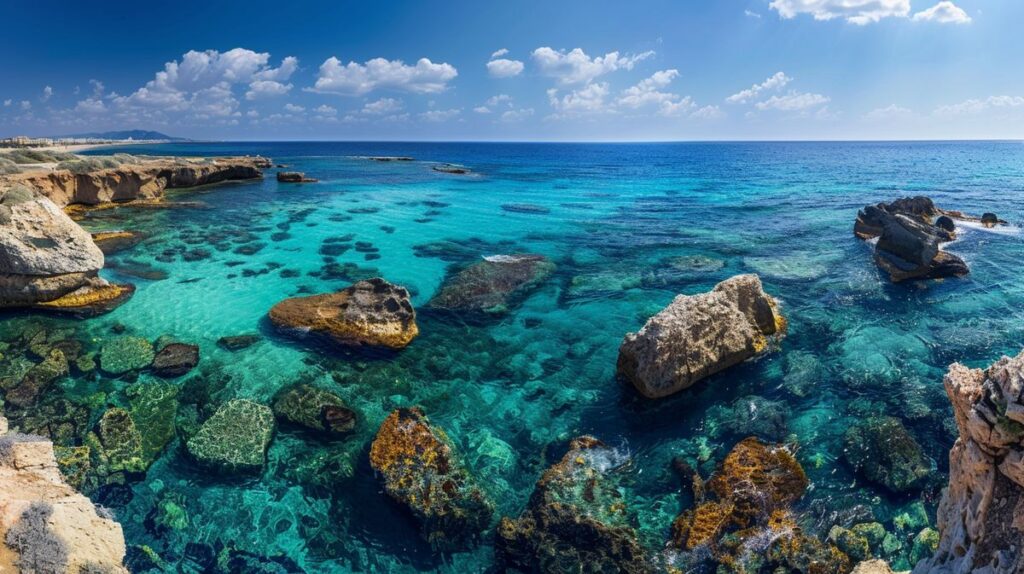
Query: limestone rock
[[238, 342], [493, 284], [293, 177], [981, 514], [175, 359], [235, 438], [371, 312], [123, 354], [40, 508], [315, 409], [873, 567], [422, 471], [699, 335], [884, 452]]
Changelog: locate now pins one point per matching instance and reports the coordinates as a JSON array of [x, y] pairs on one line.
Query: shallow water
[[629, 227]]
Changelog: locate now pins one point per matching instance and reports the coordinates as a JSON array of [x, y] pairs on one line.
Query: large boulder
[[493, 284], [422, 471], [45, 525], [980, 514], [699, 335], [871, 219], [576, 520], [235, 438], [882, 451], [371, 312]]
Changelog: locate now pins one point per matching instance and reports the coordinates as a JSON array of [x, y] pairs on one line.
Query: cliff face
[[45, 525], [981, 515], [146, 180]]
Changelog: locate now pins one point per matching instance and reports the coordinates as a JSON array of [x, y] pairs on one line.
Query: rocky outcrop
[[145, 180], [422, 471], [47, 261], [910, 231], [315, 409], [45, 525], [699, 335], [235, 438], [981, 514], [493, 284], [293, 177], [576, 519], [371, 312]]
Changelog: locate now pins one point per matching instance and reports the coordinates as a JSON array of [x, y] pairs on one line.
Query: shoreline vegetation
[[743, 516]]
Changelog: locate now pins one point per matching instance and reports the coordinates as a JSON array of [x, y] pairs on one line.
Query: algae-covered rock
[[576, 519], [153, 406], [493, 284], [235, 438], [238, 342], [122, 443], [854, 545], [169, 513], [123, 354], [37, 378], [885, 453], [314, 408], [422, 471], [175, 359]]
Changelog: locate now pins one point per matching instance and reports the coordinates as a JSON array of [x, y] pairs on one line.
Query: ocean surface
[[629, 227]]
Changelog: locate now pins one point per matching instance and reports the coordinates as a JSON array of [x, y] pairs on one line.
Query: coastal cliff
[[45, 525]]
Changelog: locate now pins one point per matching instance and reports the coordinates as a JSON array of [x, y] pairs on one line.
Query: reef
[[492, 285], [981, 514], [45, 525], [699, 335], [422, 471], [576, 519], [371, 312]]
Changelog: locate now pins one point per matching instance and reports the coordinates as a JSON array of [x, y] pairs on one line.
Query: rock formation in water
[[294, 177], [981, 514], [235, 438], [47, 261], [371, 312], [145, 180], [422, 471], [699, 335], [576, 520], [315, 409], [884, 452], [910, 231], [493, 284], [45, 525]]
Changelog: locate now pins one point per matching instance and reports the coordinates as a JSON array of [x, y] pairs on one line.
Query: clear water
[[511, 393]]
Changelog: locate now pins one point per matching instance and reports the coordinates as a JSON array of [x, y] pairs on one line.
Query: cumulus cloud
[[775, 82], [650, 91], [325, 110], [499, 53], [504, 68], [588, 99], [440, 115], [944, 12], [576, 67], [858, 12], [266, 89], [47, 94], [8, 102], [978, 106], [294, 109], [516, 115], [792, 102], [26, 105], [382, 106], [91, 106], [891, 111], [353, 78]]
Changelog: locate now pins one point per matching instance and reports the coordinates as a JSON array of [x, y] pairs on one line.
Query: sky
[[595, 70]]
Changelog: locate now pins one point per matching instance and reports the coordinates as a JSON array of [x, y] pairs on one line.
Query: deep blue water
[[629, 226]]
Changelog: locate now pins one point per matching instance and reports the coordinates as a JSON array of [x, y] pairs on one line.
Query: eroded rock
[[313, 408], [235, 438], [493, 284], [882, 450]]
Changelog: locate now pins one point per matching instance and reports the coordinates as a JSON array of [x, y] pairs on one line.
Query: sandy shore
[[83, 147]]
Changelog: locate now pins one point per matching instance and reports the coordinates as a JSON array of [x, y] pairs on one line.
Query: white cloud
[[382, 106], [97, 88], [516, 115], [26, 105], [576, 67], [326, 110], [425, 77], [708, 113], [482, 110], [499, 53], [8, 102], [266, 89], [858, 12], [280, 73], [504, 68], [292, 108], [792, 102], [91, 106], [440, 115], [649, 91], [944, 12], [47, 94], [499, 99], [775, 82], [891, 111], [978, 106], [752, 14], [588, 99]]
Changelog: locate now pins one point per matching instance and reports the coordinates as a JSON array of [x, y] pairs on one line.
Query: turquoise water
[[629, 227]]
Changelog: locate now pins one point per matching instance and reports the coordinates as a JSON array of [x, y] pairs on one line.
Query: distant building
[[25, 141]]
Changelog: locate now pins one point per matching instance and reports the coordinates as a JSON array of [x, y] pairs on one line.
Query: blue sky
[[461, 70]]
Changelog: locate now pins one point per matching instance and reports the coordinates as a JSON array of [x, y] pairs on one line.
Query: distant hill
[[127, 134]]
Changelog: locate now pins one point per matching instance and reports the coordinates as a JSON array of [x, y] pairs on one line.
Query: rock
[[451, 168], [122, 443], [422, 471], [871, 219], [152, 406], [176, 359], [873, 567], [924, 545], [945, 223], [293, 177], [576, 519], [852, 544], [980, 514], [493, 284], [235, 438], [908, 249], [989, 220], [389, 158], [315, 409], [111, 242], [238, 342], [882, 451], [699, 335], [123, 354], [44, 521], [37, 379], [371, 312]]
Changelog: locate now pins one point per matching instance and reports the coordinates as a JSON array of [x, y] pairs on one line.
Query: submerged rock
[[372, 312], [576, 519], [37, 379], [123, 354], [885, 453], [238, 342], [122, 443], [235, 438], [493, 284], [699, 335], [293, 177], [111, 242], [315, 409], [176, 359], [979, 517], [422, 471]]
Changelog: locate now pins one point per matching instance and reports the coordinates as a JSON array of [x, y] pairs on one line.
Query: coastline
[[75, 148]]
